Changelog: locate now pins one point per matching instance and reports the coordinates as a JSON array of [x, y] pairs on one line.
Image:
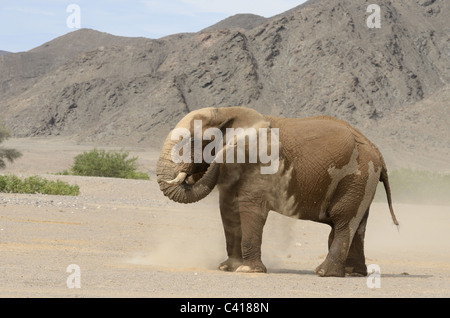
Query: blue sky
[[25, 24]]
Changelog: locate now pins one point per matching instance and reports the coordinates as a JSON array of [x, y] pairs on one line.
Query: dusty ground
[[129, 241]]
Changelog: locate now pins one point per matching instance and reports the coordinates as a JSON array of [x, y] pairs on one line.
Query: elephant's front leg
[[229, 211], [253, 219]]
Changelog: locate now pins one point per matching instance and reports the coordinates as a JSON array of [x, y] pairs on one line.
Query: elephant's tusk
[[178, 180]]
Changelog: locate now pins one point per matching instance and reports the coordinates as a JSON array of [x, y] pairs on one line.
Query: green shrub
[[36, 184], [417, 186], [113, 164]]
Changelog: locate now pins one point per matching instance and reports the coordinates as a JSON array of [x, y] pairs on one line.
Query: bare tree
[[6, 153]]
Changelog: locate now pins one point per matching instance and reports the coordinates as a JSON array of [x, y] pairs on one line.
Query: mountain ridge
[[238, 21]]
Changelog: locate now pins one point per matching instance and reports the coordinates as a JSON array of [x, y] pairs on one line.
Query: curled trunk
[[185, 183]]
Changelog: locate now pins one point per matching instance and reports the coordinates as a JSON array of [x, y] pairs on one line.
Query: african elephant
[[327, 172]]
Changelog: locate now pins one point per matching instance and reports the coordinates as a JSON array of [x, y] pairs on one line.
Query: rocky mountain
[[3, 52], [318, 58]]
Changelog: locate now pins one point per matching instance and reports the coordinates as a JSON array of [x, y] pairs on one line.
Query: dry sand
[[128, 240]]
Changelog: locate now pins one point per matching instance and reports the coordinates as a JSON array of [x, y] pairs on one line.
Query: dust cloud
[[188, 253], [183, 240]]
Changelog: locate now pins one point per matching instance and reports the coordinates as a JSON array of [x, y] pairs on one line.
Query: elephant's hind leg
[[348, 213], [334, 263], [346, 247], [355, 264], [345, 244]]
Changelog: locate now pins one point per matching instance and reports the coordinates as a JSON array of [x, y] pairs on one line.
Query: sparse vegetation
[[5, 153], [36, 184], [100, 163], [417, 186]]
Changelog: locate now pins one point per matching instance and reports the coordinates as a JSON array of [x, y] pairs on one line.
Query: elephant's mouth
[[193, 178]]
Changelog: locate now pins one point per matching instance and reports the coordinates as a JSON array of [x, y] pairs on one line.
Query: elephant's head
[[191, 180]]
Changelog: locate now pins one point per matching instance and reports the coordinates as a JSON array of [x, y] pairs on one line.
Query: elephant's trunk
[[176, 180]]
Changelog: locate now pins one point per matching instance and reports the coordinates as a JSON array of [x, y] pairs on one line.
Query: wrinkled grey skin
[[328, 173]]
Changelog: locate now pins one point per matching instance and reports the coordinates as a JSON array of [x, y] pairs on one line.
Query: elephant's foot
[[236, 265], [230, 265], [356, 265], [256, 267], [356, 270], [329, 268]]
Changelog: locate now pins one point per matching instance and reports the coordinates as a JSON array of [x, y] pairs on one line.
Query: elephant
[[328, 172]]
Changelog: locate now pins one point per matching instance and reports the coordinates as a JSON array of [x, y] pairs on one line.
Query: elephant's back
[[317, 138]]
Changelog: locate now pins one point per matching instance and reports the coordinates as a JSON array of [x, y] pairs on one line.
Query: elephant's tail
[[384, 178]]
